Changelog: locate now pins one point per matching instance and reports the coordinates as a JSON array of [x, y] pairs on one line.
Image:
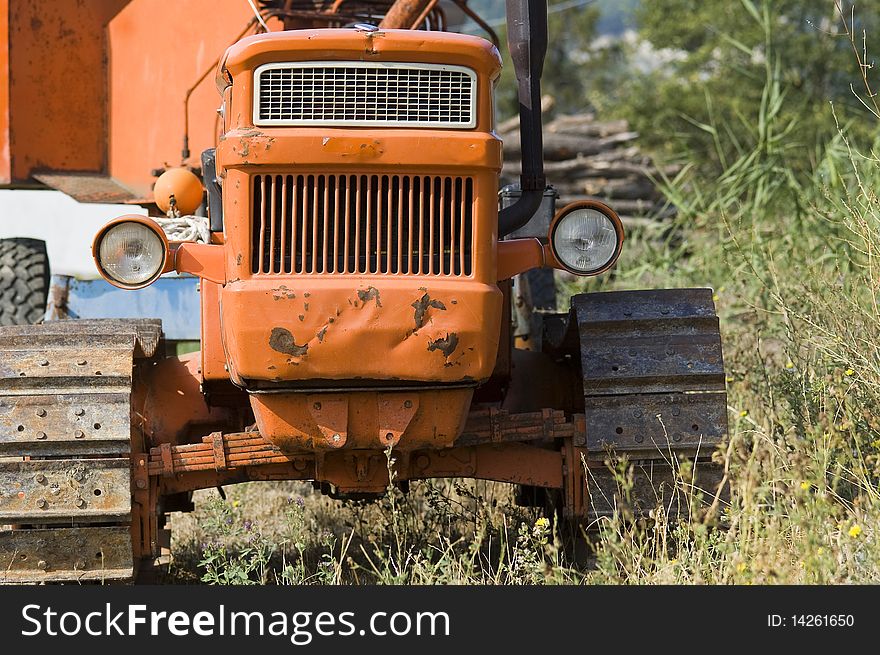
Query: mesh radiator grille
[[355, 93]]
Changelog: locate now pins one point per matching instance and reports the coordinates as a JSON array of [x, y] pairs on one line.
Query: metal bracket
[[496, 434], [219, 451], [167, 460]]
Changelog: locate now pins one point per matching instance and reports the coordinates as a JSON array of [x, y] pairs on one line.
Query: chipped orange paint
[[407, 420], [319, 328], [288, 327]]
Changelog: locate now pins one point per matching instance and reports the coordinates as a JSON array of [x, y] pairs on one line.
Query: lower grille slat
[[362, 224]]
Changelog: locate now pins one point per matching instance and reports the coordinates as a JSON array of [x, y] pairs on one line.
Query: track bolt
[[664, 311], [42, 565], [44, 362], [637, 413], [80, 503], [317, 406], [79, 434], [676, 437], [80, 412], [639, 438], [41, 412], [407, 404], [81, 362], [41, 435], [676, 411], [581, 440], [40, 478], [141, 484], [42, 504], [79, 565]]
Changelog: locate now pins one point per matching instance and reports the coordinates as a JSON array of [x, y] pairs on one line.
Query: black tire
[[24, 281]]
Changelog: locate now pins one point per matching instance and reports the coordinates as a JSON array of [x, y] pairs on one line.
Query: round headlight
[[131, 254], [585, 239]]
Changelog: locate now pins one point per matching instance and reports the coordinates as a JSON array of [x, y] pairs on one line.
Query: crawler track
[[66, 443]]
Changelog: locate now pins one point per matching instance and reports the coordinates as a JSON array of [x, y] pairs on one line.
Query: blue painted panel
[[173, 299]]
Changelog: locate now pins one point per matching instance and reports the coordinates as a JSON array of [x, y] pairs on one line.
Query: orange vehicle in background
[[355, 309]]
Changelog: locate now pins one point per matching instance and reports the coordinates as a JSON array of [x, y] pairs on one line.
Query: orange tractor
[[355, 309]]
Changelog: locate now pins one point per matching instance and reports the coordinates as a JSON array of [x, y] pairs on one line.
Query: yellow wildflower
[[741, 567], [855, 531], [789, 364], [805, 485], [542, 522], [849, 372], [744, 413], [236, 503]]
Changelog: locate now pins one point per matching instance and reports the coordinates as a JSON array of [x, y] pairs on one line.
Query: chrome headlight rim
[[145, 222], [608, 213]]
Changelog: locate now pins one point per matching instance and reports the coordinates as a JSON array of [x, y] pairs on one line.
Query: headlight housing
[[586, 237], [130, 252]]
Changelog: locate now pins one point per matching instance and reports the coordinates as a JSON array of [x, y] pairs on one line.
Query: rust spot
[[368, 294], [306, 306], [282, 341], [321, 333], [283, 292], [421, 306], [238, 259], [447, 345], [301, 317]]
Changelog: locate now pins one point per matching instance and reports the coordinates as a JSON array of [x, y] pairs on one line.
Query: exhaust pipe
[[527, 42]]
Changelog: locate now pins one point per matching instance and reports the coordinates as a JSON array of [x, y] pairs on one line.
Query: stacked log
[[585, 158]]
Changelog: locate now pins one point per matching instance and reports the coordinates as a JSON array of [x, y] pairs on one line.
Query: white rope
[[186, 228]]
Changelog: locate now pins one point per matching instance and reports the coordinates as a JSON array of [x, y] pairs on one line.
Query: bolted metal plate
[[656, 304], [65, 491], [651, 362], [144, 334], [94, 554], [649, 341], [27, 371], [65, 424], [655, 425]]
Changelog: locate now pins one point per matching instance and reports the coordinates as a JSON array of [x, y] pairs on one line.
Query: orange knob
[[183, 185]]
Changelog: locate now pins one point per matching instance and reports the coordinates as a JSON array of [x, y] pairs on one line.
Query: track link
[[66, 448]]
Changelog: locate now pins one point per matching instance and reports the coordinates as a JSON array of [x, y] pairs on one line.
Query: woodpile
[[585, 158]]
